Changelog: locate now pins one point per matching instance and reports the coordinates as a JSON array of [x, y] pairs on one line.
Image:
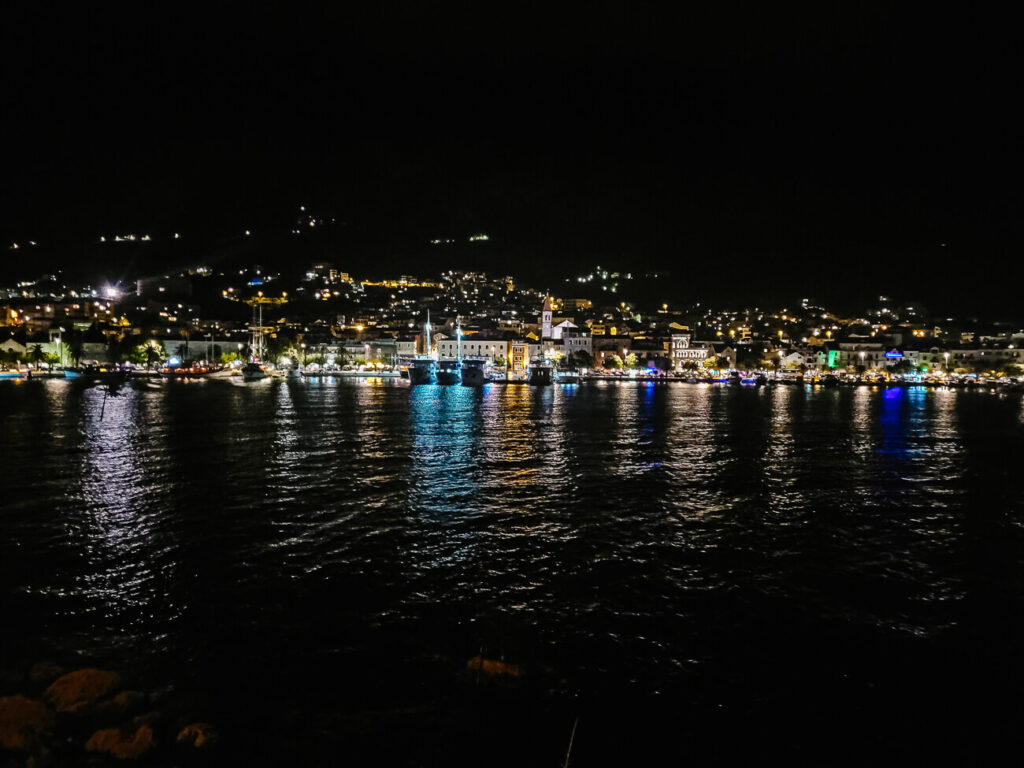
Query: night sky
[[839, 153]]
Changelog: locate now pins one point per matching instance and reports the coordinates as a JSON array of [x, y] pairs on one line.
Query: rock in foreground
[[198, 735], [121, 744], [22, 722], [79, 690]]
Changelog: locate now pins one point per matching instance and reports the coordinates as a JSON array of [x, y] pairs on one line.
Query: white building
[[490, 349]]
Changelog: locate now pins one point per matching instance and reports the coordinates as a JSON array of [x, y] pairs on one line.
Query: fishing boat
[[421, 368], [449, 371], [541, 373], [473, 373]]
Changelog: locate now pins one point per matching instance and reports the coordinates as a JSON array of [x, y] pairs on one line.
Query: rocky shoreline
[[91, 716]]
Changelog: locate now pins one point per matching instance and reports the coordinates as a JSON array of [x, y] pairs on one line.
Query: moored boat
[[421, 370], [540, 374], [253, 372], [449, 371], [473, 373]]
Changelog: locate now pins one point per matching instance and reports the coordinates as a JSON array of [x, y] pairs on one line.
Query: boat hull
[[421, 374], [448, 377], [473, 376], [252, 372], [540, 375]]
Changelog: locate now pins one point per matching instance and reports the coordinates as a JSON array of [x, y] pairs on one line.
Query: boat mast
[[426, 327], [259, 333], [458, 340], [258, 346]]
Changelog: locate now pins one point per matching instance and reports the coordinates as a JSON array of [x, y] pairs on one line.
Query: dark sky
[[833, 151]]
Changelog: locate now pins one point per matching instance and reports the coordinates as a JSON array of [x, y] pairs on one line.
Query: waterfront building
[[576, 340], [603, 347], [406, 347], [475, 345], [518, 359], [869, 354], [682, 349], [559, 329]]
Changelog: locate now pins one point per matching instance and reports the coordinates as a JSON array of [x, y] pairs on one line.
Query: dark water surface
[[826, 576]]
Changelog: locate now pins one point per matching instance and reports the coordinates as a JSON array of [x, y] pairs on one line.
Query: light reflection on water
[[620, 534]]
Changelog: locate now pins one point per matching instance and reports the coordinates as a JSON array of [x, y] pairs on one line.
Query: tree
[[148, 354], [717, 363], [120, 349], [580, 359], [747, 358], [631, 361], [76, 345], [613, 361], [36, 355], [278, 344], [1009, 368]]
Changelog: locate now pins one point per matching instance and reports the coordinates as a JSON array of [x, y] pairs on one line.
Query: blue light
[[894, 355], [173, 361]]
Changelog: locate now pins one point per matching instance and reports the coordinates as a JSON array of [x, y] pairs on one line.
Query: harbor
[[357, 541]]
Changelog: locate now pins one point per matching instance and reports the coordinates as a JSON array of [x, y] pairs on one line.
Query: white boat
[[253, 372]]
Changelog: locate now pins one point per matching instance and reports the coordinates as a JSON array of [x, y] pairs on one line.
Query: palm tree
[[36, 355], [75, 346]]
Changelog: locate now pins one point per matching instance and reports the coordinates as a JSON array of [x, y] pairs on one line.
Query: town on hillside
[[325, 319]]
